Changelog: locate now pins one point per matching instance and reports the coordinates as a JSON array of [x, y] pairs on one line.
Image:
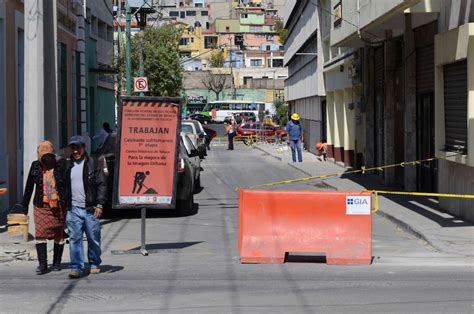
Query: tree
[[161, 60], [281, 31], [215, 82], [282, 111], [217, 59]]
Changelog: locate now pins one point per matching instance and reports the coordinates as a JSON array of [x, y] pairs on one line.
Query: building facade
[[304, 87], [398, 81], [12, 80]]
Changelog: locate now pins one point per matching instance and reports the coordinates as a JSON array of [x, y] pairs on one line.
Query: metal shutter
[[455, 106], [379, 107], [425, 69]]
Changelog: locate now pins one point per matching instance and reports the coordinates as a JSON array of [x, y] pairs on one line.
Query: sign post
[[146, 157]]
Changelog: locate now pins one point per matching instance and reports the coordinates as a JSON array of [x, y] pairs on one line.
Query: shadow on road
[[169, 246]]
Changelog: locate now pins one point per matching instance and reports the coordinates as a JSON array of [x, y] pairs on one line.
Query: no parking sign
[[140, 84]]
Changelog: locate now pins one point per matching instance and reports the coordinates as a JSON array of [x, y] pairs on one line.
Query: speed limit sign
[[140, 84]]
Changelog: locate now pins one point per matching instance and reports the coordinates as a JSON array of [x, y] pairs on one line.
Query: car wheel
[[247, 141], [185, 207], [197, 184]]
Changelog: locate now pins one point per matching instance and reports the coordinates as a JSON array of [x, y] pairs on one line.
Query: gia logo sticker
[[357, 205]]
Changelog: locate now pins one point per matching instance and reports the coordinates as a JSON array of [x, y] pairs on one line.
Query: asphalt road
[[197, 269]]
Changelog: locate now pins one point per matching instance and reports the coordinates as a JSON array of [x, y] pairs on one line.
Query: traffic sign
[[140, 84]]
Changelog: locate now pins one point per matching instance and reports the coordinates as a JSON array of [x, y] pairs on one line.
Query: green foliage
[[282, 111], [162, 65], [217, 59], [281, 31]]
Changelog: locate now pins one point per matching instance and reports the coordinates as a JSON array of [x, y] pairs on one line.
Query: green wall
[[254, 19]]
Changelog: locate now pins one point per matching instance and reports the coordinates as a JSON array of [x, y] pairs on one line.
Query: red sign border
[[115, 202]]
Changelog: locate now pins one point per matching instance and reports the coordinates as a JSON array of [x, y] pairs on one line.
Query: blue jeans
[[80, 220], [296, 146]]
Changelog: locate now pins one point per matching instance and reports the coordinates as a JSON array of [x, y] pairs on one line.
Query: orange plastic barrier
[[275, 223]]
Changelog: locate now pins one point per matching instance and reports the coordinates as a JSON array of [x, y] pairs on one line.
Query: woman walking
[[49, 211], [229, 130]]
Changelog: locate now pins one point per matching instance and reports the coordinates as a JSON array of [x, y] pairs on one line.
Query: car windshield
[[187, 128]]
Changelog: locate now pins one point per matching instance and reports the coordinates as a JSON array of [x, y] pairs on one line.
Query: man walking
[[295, 136], [86, 194]]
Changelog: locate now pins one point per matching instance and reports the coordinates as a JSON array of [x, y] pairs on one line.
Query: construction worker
[[295, 136]]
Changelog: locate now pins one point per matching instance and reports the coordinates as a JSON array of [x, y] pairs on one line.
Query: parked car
[[201, 118], [194, 160], [186, 174], [269, 132], [196, 132]]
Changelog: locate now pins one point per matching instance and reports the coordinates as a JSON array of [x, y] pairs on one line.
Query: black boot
[[42, 258], [58, 253]]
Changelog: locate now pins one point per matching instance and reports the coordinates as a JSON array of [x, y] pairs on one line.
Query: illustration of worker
[[139, 180]]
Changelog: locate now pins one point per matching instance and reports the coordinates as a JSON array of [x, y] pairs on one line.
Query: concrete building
[[409, 89], [12, 105], [304, 87]]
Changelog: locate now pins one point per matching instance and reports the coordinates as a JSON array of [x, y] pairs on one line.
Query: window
[[204, 13], [337, 13], [182, 14], [227, 29], [192, 39], [63, 94], [183, 41], [245, 126], [186, 128], [190, 13], [174, 13], [256, 28], [269, 47], [256, 62], [246, 80], [198, 5], [277, 63], [244, 15], [210, 42]]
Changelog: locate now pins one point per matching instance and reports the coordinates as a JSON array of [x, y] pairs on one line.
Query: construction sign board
[[140, 84], [147, 152]]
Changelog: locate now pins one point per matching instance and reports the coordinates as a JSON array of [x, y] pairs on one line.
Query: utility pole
[[128, 49], [234, 96]]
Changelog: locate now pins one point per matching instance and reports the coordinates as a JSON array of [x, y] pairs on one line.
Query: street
[[197, 268]]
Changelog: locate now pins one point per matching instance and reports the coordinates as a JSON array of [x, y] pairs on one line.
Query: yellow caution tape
[[424, 194], [363, 170]]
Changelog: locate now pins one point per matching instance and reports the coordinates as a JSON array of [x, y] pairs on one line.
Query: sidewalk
[[417, 215]]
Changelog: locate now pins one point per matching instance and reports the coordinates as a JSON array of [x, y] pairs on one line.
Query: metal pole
[[128, 49], [232, 77], [142, 66], [143, 245]]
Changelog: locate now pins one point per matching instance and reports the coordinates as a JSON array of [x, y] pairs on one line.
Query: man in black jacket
[[86, 194]]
